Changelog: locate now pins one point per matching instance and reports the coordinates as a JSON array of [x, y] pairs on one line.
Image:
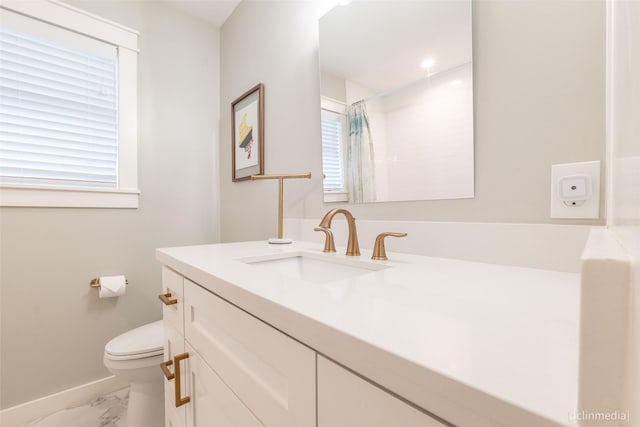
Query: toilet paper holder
[[95, 282]]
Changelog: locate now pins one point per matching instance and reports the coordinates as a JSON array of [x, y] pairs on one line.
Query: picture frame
[[247, 134]]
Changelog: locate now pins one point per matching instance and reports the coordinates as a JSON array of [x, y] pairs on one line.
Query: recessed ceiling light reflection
[[428, 63]]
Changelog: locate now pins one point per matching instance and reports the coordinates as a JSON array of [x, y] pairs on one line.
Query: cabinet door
[[173, 418], [346, 400], [173, 323], [212, 403], [272, 374], [173, 345]]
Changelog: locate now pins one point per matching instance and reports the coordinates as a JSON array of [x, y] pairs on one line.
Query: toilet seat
[[142, 342]]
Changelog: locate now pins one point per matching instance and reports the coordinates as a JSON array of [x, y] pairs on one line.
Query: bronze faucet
[[353, 249], [379, 251], [329, 244]]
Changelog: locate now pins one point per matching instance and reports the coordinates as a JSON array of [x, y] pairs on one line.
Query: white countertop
[[475, 344]]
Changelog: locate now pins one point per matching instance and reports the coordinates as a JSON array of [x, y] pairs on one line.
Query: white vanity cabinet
[[242, 372], [239, 370], [363, 346], [347, 400]]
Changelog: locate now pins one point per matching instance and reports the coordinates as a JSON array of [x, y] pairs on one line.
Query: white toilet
[[135, 357]]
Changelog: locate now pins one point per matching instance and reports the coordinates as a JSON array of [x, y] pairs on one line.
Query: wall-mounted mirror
[[397, 101]]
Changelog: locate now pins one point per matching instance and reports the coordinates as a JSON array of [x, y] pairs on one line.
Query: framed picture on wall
[[247, 134]]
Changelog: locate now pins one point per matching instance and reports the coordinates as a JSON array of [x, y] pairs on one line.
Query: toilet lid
[[146, 340]]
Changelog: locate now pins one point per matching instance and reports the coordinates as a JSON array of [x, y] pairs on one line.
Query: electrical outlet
[[575, 190]]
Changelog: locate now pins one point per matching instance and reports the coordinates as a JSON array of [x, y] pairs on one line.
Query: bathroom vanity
[[286, 335]]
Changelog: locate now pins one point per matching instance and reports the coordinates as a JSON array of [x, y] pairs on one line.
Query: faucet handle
[[329, 243], [379, 251]]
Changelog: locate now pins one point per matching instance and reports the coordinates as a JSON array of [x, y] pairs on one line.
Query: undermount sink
[[315, 268]]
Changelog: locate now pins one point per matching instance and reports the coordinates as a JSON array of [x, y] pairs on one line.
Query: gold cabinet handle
[[165, 369], [379, 251], [166, 299], [179, 399]]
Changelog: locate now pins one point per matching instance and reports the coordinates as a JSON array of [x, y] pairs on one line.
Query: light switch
[[575, 190]]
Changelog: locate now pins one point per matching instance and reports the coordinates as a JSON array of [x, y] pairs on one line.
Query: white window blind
[[332, 151], [58, 112]]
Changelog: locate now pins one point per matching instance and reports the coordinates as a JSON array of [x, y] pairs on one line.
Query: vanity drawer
[[347, 400], [272, 374], [172, 288]]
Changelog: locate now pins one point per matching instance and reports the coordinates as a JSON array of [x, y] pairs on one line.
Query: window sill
[[336, 196], [41, 197]]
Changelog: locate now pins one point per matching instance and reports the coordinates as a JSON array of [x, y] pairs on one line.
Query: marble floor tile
[[105, 411]]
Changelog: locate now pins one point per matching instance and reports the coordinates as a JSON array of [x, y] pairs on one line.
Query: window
[[67, 109], [333, 142], [332, 156], [58, 114]]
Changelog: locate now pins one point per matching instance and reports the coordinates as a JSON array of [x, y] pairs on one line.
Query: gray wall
[[54, 327], [539, 70]]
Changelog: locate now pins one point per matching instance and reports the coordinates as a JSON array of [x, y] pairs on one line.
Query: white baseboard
[[25, 412]]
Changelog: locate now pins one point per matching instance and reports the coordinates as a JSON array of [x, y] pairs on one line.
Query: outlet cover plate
[[590, 209]]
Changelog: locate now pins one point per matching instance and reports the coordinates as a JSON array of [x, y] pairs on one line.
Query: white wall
[[538, 100], [273, 42], [520, 245], [623, 138], [53, 326]]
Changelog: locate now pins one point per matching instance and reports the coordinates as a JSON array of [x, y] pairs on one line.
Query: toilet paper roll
[[112, 286]]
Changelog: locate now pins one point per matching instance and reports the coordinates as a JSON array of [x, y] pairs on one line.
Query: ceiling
[[212, 11], [380, 44]]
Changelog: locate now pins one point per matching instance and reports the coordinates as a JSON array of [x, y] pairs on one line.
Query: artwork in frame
[[247, 134]]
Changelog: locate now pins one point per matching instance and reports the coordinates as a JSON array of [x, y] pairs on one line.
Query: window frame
[[126, 41], [336, 107]]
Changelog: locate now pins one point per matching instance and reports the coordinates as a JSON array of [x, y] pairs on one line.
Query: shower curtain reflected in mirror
[[360, 155]]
